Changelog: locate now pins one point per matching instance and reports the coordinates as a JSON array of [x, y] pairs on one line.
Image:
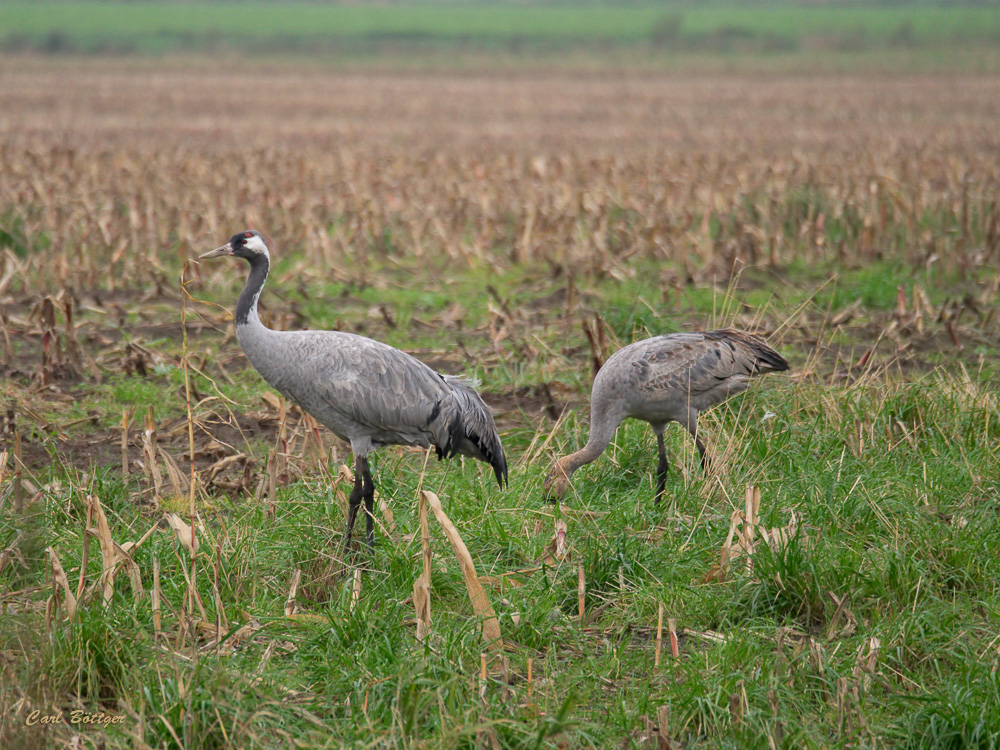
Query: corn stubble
[[575, 172]]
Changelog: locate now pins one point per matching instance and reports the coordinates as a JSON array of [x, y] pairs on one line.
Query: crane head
[[247, 245], [556, 483]]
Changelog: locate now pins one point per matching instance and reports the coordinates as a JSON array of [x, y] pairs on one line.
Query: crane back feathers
[[688, 370]]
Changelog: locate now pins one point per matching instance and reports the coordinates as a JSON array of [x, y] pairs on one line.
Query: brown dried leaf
[[355, 589], [60, 578], [389, 525], [108, 554], [344, 474], [219, 466], [185, 532], [123, 554], [558, 549], [422, 604], [477, 595], [177, 478], [293, 591]]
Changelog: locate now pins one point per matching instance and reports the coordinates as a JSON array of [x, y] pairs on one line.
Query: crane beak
[[226, 249]]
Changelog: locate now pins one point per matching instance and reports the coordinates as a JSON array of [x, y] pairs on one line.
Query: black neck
[[247, 302]]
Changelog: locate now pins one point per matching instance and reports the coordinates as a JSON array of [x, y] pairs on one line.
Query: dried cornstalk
[[221, 621], [864, 666], [425, 538], [108, 566], [4, 459], [272, 482], [355, 589], [188, 538], [157, 617], [59, 578], [149, 452], [422, 586], [743, 527], [597, 339], [312, 429], [384, 511], [293, 590], [480, 602], [455, 211], [659, 636], [557, 549], [72, 345], [482, 678], [123, 554], [86, 551], [663, 728], [422, 605]]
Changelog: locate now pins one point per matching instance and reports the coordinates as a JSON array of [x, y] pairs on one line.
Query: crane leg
[[354, 499], [662, 467], [705, 464], [368, 489], [691, 425]]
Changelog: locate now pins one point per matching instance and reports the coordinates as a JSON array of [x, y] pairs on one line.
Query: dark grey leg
[[692, 426], [354, 500], [662, 467], [369, 494], [705, 465]]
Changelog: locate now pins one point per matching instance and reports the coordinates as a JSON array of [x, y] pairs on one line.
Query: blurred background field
[[780, 34], [508, 191]]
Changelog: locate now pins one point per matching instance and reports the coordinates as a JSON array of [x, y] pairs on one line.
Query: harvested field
[[517, 226], [116, 174]]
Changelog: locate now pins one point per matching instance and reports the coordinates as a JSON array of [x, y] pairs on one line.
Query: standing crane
[[665, 379], [366, 392]]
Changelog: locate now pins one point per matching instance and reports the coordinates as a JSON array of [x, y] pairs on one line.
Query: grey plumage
[[665, 379], [366, 392]]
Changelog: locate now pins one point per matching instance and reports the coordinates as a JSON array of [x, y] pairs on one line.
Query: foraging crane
[[366, 392], [665, 379]]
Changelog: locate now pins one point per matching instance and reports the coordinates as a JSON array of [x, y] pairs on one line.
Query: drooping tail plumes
[[766, 359], [470, 429]]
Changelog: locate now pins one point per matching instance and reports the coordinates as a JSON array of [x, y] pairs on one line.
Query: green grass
[[253, 27], [903, 531]]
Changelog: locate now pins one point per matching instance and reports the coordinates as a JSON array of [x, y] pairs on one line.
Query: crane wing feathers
[[699, 362], [385, 390], [362, 388]]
